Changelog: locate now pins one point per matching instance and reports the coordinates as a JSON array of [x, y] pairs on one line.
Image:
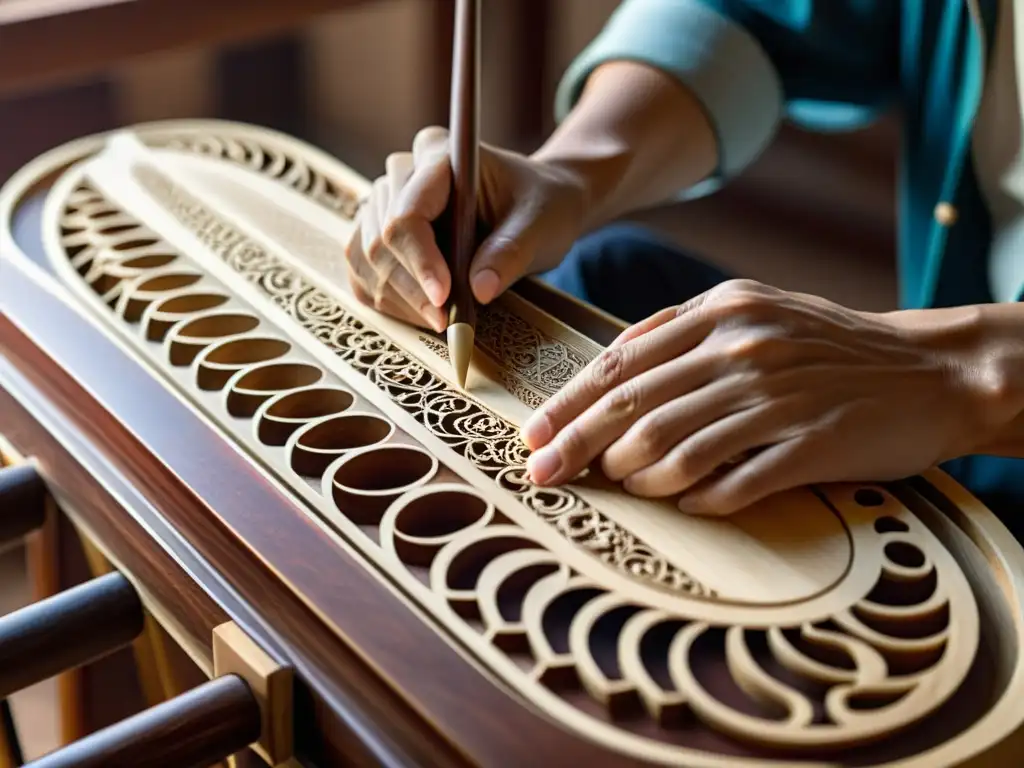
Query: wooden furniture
[[216, 416], [94, 619]]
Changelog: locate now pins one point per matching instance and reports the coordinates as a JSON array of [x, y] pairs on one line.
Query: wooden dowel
[[194, 730], [65, 631], [22, 502]]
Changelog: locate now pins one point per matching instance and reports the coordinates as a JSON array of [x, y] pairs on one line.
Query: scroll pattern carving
[[882, 661], [489, 441], [270, 161], [533, 367]]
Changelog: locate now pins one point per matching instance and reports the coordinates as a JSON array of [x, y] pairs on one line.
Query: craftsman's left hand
[[748, 390]]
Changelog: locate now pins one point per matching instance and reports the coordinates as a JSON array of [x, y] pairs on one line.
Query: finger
[[398, 168], [409, 231], [376, 253], [380, 199], [504, 256], [655, 434], [414, 243], [610, 369], [661, 318], [604, 423], [411, 292], [389, 303], [364, 277], [705, 449], [646, 325], [429, 142], [786, 465]]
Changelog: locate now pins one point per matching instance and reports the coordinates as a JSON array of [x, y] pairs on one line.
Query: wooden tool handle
[[465, 158]]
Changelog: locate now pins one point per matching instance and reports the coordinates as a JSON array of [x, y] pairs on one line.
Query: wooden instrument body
[[213, 409]]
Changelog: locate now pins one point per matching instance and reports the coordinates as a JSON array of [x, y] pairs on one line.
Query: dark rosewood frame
[[126, 455]]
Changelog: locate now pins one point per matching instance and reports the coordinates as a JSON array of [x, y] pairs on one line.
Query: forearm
[[636, 137]]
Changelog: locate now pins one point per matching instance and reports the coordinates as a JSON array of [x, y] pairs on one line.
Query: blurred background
[[359, 77]]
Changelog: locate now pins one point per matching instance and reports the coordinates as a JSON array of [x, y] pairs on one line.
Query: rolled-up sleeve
[[719, 61]]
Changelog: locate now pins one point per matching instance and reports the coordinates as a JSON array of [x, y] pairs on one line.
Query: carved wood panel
[[828, 624]]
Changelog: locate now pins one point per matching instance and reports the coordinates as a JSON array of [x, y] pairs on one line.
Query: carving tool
[[464, 129]]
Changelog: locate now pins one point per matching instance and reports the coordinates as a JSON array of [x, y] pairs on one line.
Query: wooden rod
[[464, 148], [68, 630], [22, 502], [194, 730]]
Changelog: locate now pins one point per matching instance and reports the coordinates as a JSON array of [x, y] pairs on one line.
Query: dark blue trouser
[[631, 272]]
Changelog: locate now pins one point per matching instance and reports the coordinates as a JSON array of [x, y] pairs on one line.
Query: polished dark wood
[[11, 755], [362, 694], [67, 630], [464, 148], [193, 730], [22, 502]]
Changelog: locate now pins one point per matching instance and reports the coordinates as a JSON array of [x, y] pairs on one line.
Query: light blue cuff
[[719, 61]]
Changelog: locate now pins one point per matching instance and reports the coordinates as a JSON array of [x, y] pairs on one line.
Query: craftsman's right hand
[[534, 212]]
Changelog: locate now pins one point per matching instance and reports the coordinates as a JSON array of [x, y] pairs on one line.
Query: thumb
[[504, 256]]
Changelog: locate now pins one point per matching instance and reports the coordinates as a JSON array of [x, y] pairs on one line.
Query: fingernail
[[435, 292], [536, 431], [691, 505], [486, 285], [543, 465]]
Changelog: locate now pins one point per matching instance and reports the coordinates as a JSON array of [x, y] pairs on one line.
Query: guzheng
[[291, 490]]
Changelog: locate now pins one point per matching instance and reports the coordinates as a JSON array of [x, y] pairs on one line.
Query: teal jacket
[[836, 65]]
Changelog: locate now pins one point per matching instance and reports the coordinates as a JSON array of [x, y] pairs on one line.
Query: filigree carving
[[486, 439], [270, 161], [532, 365]]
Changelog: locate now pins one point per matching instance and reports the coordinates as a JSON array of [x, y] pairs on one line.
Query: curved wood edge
[[65, 385]]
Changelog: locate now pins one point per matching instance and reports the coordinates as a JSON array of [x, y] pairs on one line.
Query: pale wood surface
[[235, 653]]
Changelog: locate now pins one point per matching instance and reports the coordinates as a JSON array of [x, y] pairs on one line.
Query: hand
[[534, 211], [748, 390]]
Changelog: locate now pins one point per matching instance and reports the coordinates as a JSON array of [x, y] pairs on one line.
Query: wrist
[[595, 167], [981, 349]]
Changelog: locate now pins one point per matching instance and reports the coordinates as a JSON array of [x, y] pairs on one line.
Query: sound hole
[[218, 326], [387, 468], [317, 446], [192, 302]]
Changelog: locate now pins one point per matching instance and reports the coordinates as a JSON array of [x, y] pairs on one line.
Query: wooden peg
[[65, 631], [234, 652], [194, 730], [22, 502]]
